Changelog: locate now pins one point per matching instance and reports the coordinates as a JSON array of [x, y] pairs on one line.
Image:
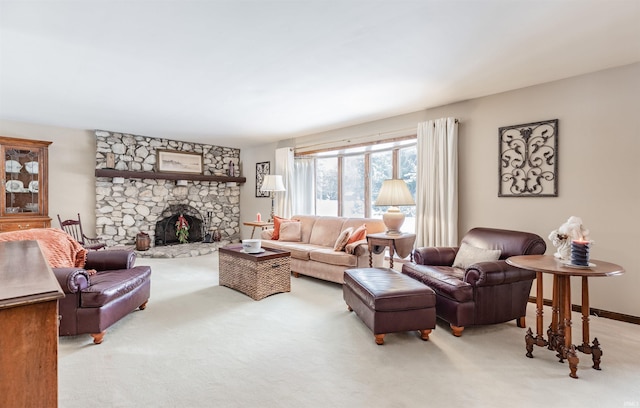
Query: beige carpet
[[201, 345]]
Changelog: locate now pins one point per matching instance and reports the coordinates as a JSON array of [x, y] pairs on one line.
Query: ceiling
[[241, 72]]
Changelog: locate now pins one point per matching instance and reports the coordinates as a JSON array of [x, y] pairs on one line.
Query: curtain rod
[[350, 139]]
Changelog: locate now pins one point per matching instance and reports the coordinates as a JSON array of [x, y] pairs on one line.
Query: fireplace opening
[[166, 226]]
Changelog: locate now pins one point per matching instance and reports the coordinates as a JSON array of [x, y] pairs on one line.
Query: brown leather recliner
[[486, 292], [92, 303]]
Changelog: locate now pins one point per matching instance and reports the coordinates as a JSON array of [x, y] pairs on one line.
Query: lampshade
[[272, 183], [394, 193]]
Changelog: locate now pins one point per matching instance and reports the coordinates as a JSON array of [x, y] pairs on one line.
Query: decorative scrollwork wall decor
[[529, 160]]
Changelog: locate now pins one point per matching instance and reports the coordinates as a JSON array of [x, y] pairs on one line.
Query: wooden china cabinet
[[24, 183]]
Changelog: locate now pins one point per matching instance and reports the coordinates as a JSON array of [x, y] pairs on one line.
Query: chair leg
[[521, 322], [98, 337], [424, 334], [379, 339], [456, 330], [144, 305]]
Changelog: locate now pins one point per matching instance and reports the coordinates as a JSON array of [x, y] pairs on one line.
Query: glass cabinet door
[[21, 179]]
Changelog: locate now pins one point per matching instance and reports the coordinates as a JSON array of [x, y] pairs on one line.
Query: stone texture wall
[[123, 210]]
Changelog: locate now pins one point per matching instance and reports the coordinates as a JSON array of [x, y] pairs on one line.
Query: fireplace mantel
[[166, 176]]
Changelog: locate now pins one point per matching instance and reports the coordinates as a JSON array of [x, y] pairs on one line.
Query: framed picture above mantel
[[174, 161]]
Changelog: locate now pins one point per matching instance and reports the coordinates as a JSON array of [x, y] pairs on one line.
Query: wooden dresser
[[29, 294], [24, 182]]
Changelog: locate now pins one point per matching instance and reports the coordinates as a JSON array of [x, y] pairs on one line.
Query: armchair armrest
[[110, 260], [436, 256], [495, 273], [71, 280]]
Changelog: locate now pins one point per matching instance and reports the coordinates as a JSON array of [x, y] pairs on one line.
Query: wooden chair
[[74, 228]]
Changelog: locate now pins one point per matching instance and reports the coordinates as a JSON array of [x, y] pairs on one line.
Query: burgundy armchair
[[485, 292], [93, 302]]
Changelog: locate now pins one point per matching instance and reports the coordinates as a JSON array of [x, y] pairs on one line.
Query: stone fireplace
[[165, 231], [128, 205]]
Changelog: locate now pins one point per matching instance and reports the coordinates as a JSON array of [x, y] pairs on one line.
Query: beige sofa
[[313, 254]]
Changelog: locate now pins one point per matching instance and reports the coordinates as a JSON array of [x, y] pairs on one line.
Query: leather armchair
[[485, 292], [95, 301]]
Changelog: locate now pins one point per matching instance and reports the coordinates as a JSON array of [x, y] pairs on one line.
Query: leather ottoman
[[388, 301]]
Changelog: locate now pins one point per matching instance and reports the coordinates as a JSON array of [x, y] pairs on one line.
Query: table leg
[[553, 332], [594, 350], [569, 349], [585, 312], [391, 253], [539, 305], [370, 255]]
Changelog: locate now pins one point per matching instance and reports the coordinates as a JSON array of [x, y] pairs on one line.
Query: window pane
[[327, 186], [381, 169], [407, 158], [353, 186]]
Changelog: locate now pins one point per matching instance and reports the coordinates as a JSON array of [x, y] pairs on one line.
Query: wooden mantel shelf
[[166, 176]]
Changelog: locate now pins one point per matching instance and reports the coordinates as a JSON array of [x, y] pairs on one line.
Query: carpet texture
[[201, 345]]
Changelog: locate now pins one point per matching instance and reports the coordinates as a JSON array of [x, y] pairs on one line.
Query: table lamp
[[272, 183], [394, 193]]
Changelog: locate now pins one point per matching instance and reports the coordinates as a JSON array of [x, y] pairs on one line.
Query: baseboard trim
[[597, 312]]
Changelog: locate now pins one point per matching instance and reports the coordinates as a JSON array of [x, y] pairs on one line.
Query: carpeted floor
[[201, 345]]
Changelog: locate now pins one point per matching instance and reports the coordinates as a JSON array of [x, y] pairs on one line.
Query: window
[[348, 180], [327, 186]]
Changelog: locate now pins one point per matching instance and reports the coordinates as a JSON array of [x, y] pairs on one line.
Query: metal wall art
[[528, 160], [262, 169]]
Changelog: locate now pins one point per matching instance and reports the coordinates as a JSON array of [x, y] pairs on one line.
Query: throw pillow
[[277, 221], [358, 234], [468, 255], [290, 231], [341, 242]]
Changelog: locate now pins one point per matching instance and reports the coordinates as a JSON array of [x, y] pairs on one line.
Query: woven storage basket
[[255, 278]]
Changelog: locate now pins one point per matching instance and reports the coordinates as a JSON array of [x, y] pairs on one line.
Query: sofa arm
[[496, 273], [71, 280], [436, 256], [110, 259], [357, 248], [266, 233]]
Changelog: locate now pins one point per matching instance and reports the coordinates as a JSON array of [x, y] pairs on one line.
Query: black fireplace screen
[[166, 226]]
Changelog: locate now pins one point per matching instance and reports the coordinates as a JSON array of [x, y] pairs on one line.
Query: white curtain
[[437, 189], [303, 191], [284, 167]]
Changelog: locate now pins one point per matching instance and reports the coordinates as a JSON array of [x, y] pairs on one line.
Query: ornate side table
[[402, 244], [559, 332]]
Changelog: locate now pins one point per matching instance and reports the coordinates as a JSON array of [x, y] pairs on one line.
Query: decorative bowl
[[251, 246]]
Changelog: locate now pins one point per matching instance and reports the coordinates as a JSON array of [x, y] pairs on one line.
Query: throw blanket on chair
[[59, 249]]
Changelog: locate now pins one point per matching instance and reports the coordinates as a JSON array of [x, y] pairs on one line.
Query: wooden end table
[[559, 332], [255, 224], [402, 244], [256, 275]]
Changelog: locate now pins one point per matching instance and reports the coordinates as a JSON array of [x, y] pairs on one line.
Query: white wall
[[599, 168]]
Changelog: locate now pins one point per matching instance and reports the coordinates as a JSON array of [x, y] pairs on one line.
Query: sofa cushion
[[468, 255], [342, 239], [358, 234], [277, 221], [331, 257], [106, 286], [326, 230], [290, 231]]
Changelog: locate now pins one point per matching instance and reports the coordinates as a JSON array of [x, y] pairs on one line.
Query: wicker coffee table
[[255, 275]]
